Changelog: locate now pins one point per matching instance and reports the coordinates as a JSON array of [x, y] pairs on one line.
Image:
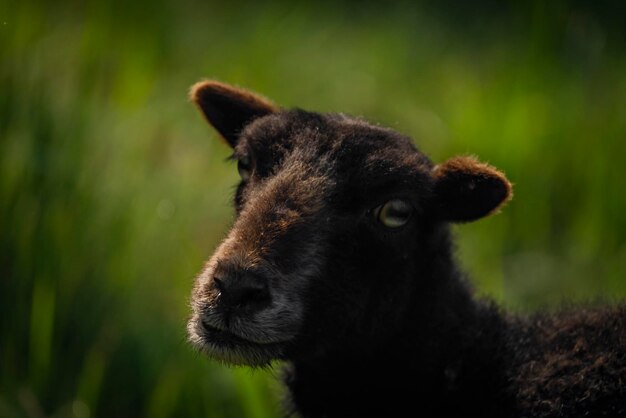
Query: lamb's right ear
[[229, 109], [466, 189]]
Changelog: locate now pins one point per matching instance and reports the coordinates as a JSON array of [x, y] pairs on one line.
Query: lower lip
[[226, 338], [218, 336]]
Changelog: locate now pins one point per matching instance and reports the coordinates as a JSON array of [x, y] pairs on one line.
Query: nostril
[[218, 283]]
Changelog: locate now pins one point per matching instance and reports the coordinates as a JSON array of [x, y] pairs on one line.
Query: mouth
[[231, 348]]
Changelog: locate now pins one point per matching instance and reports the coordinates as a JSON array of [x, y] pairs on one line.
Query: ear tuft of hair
[[229, 109], [466, 190]]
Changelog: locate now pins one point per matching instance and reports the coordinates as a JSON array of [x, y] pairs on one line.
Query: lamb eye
[[395, 213], [244, 168]]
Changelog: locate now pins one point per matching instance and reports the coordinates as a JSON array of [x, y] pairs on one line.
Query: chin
[[233, 349]]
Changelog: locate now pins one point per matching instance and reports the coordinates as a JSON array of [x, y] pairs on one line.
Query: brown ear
[[229, 109], [466, 190]]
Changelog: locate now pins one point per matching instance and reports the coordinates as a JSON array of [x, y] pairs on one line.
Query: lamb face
[[308, 210], [331, 213]]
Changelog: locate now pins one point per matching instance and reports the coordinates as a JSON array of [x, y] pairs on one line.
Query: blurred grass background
[[113, 190]]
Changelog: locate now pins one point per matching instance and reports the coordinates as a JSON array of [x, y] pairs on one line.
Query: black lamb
[[340, 262]]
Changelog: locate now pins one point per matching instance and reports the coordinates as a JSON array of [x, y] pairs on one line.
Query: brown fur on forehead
[[289, 129], [355, 141], [372, 145]]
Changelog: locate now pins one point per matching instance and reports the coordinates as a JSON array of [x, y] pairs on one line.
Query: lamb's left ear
[[466, 190], [229, 109]]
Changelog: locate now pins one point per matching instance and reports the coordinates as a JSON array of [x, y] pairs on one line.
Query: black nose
[[247, 290]]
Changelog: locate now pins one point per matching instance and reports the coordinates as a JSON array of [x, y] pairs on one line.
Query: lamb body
[[340, 262]]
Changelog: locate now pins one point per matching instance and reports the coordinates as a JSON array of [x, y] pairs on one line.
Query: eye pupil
[[243, 167], [395, 213]]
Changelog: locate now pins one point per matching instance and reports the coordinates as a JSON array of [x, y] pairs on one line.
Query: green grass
[[113, 190]]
